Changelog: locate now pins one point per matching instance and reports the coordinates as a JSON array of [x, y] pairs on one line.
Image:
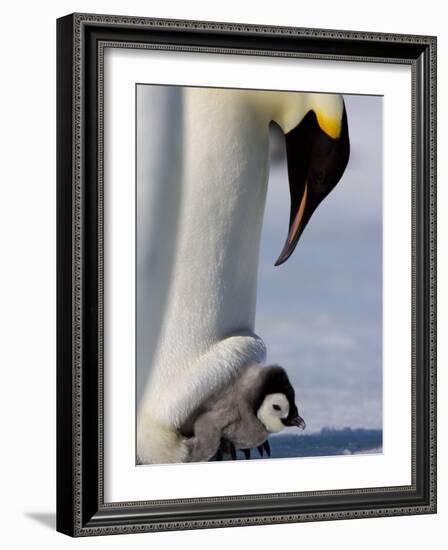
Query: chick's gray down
[[231, 414]]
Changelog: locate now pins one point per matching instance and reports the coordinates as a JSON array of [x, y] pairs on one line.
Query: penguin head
[[276, 407], [273, 411]]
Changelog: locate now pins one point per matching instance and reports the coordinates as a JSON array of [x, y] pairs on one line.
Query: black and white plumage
[[258, 403]]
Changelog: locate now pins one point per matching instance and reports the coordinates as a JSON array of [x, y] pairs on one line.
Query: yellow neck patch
[[330, 125]]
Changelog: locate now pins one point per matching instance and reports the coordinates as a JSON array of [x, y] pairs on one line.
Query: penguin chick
[[259, 402]]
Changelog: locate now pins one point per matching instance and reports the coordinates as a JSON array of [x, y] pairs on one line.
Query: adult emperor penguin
[[204, 255]]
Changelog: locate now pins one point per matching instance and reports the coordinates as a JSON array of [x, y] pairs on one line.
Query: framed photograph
[[246, 274]]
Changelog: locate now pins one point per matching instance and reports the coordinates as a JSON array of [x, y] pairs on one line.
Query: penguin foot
[[264, 447], [225, 448], [267, 447], [232, 451], [228, 448], [219, 454]]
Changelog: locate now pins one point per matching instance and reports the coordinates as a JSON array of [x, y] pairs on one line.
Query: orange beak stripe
[[298, 217]]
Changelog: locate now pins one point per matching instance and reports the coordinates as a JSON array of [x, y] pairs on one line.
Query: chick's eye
[[276, 407]]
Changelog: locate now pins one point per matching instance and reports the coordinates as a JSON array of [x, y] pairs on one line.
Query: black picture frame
[[81, 510]]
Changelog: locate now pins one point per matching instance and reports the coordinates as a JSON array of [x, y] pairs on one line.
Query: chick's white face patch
[[274, 408]]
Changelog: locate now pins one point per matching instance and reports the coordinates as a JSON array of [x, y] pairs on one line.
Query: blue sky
[[320, 313]]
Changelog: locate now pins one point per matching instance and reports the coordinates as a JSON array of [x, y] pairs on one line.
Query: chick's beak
[[295, 421]]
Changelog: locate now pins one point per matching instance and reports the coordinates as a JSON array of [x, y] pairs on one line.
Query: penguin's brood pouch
[[259, 402]]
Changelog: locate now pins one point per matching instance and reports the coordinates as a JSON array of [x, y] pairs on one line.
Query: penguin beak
[[316, 163], [295, 421]]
